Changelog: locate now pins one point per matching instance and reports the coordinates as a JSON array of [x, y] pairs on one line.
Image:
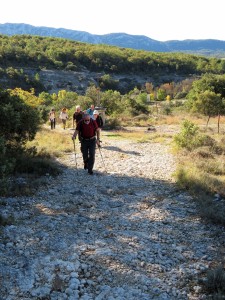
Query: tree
[[19, 117], [93, 93], [65, 99], [47, 98], [209, 104], [161, 95], [111, 100], [19, 122]]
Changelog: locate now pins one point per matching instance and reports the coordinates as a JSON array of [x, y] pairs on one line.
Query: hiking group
[[87, 125]]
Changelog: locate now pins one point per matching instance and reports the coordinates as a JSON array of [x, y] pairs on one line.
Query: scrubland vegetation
[[193, 109], [193, 105]]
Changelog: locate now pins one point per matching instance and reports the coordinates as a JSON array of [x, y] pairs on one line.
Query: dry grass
[[202, 172], [52, 142], [140, 135]]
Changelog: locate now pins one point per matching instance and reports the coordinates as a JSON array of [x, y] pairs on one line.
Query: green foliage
[[208, 82], [112, 101], [58, 53], [112, 123], [161, 95], [134, 103], [6, 163], [19, 122], [208, 103], [46, 98], [65, 99], [189, 136], [167, 110], [93, 94], [38, 164], [107, 83], [180, 95]]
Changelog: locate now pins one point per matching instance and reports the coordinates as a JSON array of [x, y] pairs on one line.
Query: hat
[[95, 112]]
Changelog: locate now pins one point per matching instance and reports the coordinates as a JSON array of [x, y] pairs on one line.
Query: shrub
[[167, 110], [189, 137], [19, 123], [112, 123]]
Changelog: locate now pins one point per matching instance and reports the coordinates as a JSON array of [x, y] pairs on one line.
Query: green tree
[[46, 98], [161, 95], [93, 93], [209, 104], [111, 100], [19, 122], [65, 99]]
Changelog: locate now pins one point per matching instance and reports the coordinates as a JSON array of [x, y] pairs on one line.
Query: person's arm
[[75, 134], [98, 136]]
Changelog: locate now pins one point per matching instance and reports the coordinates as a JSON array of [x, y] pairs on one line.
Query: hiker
[[52, 118], [63, 116], [77, 116], [91, 110], [98, 119], [87, 129]]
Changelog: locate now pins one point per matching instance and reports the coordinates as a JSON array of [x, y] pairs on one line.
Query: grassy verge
[[201, 170], [139, 136]]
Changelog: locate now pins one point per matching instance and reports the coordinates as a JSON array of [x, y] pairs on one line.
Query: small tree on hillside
[[209, 104], [19, 123]]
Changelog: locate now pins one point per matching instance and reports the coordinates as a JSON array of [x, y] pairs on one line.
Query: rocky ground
[[127, 232]]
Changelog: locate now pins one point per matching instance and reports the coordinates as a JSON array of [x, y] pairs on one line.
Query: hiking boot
[[90, 172]]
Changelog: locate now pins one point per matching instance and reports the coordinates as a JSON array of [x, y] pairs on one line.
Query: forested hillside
[[24, 58], [207, 47]]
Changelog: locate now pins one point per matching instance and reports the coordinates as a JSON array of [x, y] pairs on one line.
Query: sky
[[160, 20]]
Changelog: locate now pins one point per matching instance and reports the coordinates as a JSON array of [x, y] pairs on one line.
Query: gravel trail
[[127, 232]]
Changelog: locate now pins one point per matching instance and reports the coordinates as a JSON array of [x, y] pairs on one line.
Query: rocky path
[[126, 232]]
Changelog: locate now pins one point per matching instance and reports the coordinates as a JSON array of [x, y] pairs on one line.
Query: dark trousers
[[88, 152], [52, 124], [64, 123]]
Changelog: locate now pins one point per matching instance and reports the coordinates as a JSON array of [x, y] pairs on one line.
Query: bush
[[19, 123], [112, 123], [167, 110], [189, 137]]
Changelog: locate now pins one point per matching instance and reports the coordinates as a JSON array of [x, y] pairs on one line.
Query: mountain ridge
[[139, 42]]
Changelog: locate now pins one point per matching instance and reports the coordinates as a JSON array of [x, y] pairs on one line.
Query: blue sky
[[158, 19]]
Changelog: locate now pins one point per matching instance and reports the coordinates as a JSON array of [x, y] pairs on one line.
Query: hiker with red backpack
[[89, 135]]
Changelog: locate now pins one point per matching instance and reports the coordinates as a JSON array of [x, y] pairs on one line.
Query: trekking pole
[[102, 157], [75, 156]]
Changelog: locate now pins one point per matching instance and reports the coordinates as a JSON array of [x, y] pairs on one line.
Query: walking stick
[[102, 157]]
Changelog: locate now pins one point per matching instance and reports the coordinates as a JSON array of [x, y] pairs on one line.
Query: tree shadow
[[117, 149]]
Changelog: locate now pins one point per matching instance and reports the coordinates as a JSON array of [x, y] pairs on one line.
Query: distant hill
[[209, 47]]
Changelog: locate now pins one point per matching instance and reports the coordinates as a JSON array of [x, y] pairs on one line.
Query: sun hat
[[95, 112]]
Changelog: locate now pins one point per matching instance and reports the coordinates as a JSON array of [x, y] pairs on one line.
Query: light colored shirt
[[63, 115]]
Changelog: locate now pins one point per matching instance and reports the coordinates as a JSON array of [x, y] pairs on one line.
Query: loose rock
[[126, 232]]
